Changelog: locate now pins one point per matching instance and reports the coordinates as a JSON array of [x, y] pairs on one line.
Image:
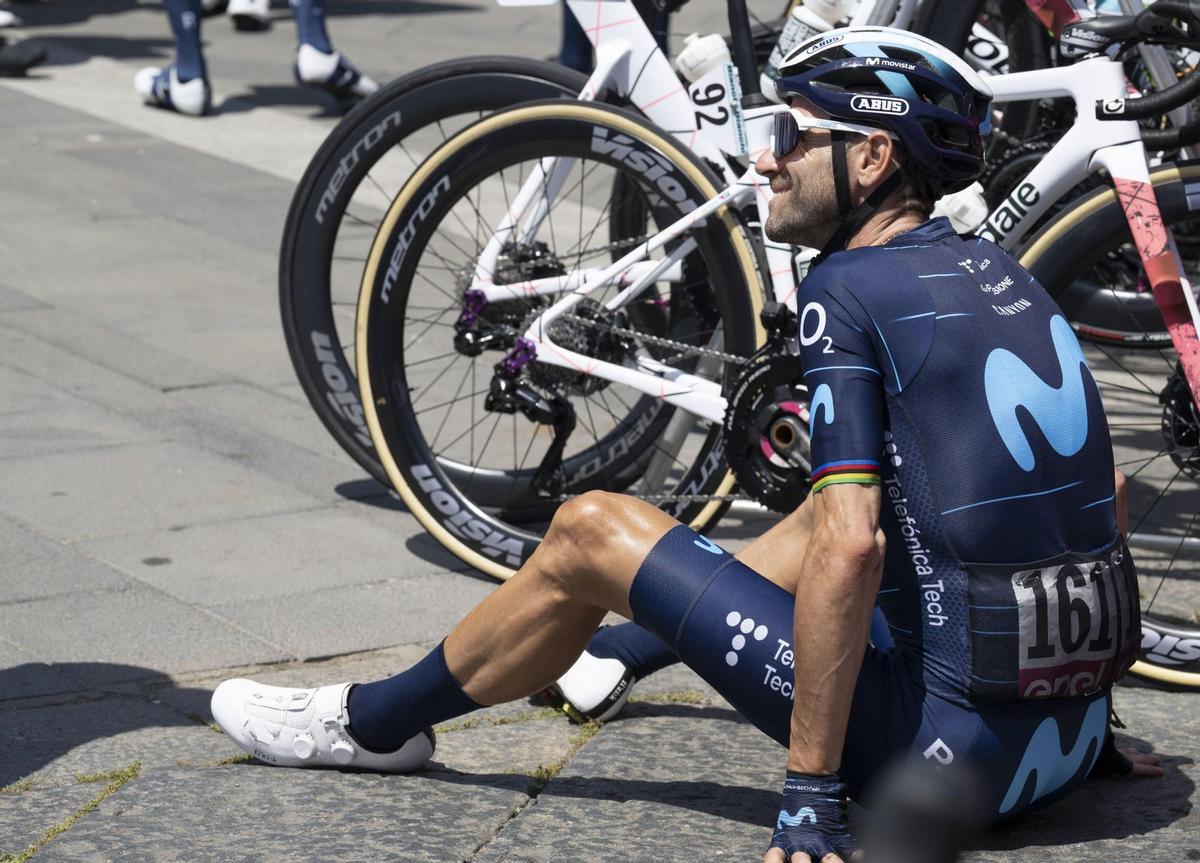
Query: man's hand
[[1126, 763], [811, 827]]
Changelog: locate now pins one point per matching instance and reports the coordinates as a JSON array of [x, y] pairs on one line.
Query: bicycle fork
[[1155, 244]]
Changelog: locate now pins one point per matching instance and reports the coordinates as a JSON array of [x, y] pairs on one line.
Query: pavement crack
[[540, 778], [116, 780]]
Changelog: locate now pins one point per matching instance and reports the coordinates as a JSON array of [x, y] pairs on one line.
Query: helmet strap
[[853, 219]]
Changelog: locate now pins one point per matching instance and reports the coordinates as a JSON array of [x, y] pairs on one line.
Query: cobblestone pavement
[[172, 513]]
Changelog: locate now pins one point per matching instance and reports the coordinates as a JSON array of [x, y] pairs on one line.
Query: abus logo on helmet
[[824, 43], [879, 105]]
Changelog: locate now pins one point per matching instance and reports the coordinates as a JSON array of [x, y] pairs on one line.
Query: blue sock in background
[[386, 713], [642, 652], [310, 24], [185, 25]]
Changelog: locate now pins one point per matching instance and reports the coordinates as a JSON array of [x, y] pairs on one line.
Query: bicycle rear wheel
[[340, 202], [469, 474], [1153, 420]]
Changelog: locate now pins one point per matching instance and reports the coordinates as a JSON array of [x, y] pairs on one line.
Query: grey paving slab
[[251, 812], [55, 744], [265, 558], [58, 368], [22, 393], [254, 354], [323, 471], [652, 789], [130, 633], [33, 566], [26, 816], [359, 617], [282, 414], [80, 426], [111, 349], [121, 490], [522, 747], [12, 299]]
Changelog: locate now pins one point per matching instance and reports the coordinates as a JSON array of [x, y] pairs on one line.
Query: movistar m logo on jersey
[[879, 105], [804, 815], [1061, 413], [1046, 762], [822, 401]]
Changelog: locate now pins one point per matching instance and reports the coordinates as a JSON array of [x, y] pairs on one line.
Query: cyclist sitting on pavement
[[183, 85], [963, 474]]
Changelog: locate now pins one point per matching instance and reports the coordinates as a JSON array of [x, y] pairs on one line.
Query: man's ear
[[873, 158]]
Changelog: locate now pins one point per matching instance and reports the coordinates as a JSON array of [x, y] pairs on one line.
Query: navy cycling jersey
[[937, 367]]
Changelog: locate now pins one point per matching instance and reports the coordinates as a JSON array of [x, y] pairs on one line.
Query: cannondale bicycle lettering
[[955, 384]]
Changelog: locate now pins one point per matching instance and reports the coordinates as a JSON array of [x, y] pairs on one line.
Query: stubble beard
[[804, 216]]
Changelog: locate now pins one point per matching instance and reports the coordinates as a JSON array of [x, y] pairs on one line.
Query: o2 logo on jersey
[[812, 327], [1061, 413]]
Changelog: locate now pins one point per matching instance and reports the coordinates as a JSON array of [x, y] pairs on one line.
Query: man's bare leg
[[530, 631]]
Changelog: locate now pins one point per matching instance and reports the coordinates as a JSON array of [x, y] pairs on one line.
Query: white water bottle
[[808, 18], [700, 55]]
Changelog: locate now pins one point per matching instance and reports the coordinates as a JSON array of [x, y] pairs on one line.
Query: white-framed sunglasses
[[790, 124]]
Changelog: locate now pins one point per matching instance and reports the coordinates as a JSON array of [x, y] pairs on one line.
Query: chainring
[[766, 432]]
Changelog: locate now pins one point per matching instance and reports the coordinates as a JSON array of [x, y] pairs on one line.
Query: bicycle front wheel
[[471, 474], [343, 196], [1152, 416]]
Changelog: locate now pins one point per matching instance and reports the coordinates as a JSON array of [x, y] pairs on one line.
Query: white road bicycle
[[350, 182], [563, 297], [339, 203]]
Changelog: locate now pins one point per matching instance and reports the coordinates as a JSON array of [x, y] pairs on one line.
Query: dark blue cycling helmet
[[936, 105]]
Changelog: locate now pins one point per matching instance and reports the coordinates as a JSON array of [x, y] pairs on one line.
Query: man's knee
[[582, 528]]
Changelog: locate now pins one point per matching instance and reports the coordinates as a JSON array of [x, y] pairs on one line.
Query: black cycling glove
[[1110, 761], [813, 818]]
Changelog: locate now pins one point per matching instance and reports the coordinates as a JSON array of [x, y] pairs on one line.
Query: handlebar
[[1156, 140], [1152, 104]]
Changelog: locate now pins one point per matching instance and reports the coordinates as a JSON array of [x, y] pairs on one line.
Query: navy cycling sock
[[642, 652], [310, 24], [185, 25], [386, 713]]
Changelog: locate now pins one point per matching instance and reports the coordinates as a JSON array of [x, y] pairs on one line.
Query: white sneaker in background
[[250, 14]]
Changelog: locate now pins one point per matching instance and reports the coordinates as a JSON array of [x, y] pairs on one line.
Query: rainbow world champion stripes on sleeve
[[861, 471]]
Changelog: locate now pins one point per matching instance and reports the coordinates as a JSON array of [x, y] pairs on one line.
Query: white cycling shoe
[[162, 87], [332, 72], [594, 688], [305, 728]]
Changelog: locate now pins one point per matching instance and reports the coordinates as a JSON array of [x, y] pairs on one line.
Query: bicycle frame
[[1090, 145]]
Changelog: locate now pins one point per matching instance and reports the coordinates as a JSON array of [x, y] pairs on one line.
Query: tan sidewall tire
[[584, 113]]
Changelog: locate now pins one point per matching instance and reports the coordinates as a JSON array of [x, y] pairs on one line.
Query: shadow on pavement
[[270, 96], [101, 700], [69, 50], [1100, 809]]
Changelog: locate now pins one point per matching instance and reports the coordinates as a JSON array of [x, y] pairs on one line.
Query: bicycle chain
[[658, 340]]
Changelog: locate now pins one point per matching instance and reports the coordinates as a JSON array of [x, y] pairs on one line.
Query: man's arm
[[842, 569]]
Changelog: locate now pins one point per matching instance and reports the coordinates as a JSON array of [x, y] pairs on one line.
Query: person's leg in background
[[183, 85], [317, 62]]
